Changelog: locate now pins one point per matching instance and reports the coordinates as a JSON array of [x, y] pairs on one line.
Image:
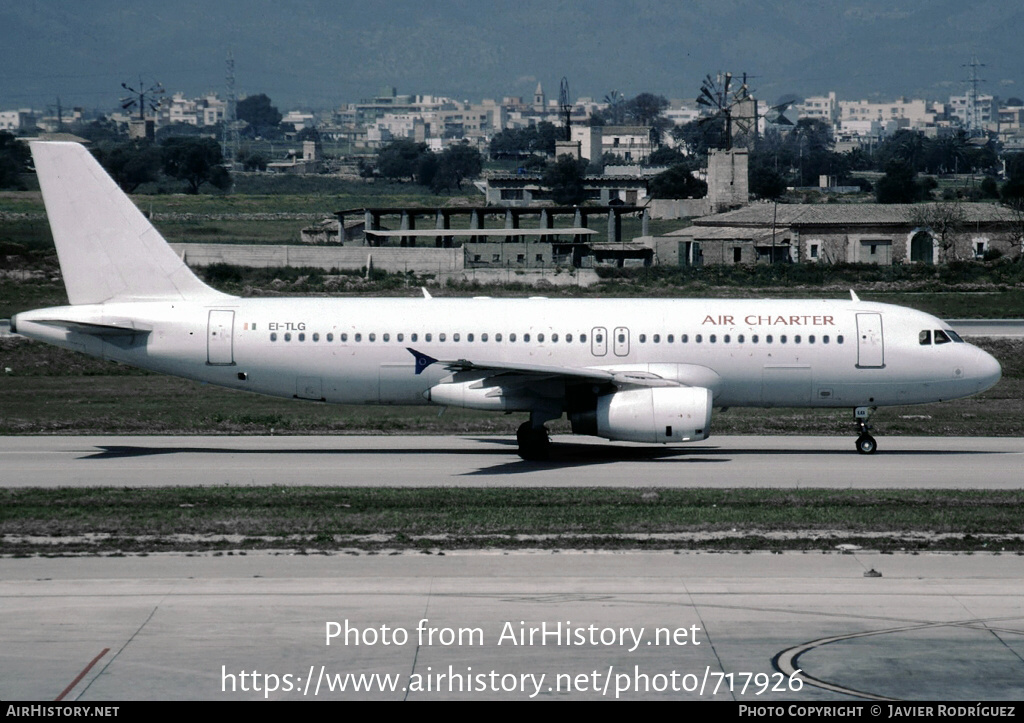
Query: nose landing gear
[[866, 444]]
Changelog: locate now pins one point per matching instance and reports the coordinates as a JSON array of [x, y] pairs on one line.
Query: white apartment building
[[820, 107], [986, 111], [906, 113], [16, 120]]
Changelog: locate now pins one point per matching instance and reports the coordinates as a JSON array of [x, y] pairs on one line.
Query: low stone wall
[[419, 260], [670, 208]]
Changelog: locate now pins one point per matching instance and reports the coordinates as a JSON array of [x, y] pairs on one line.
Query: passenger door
[[870, 344]]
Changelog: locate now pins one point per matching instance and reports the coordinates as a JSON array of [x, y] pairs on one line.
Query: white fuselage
[[797, 353]]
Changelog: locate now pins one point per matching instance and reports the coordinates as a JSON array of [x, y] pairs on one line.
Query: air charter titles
[[769, 320]]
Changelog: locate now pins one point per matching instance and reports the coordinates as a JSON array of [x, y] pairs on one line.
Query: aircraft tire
[[866, 444], [534, 444]]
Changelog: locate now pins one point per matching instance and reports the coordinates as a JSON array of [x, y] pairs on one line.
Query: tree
[[899, 184], [197, 161], [665, 156], [565, 179], [646, 108], [701, 135], [765, 182], [520, 142], [259, 113], [399, 160], [130, 164], [14, 160], [945, 222], [678, 182], [456, 164]]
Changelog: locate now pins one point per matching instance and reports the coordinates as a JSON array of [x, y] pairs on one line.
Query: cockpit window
[[954, 336], [941, 338], [925, 337]]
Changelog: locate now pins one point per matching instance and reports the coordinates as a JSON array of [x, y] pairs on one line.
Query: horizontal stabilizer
[[95, 329]]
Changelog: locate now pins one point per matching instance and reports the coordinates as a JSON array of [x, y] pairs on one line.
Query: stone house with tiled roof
[[854, 233]]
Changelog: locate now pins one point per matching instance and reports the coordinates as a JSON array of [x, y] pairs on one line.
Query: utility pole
[[973, 111]]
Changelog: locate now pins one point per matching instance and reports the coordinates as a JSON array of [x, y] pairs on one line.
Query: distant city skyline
[[317, 54]]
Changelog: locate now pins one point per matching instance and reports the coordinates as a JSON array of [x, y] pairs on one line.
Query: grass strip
[[97, 520]]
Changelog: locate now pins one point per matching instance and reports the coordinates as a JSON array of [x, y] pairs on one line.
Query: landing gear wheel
[[534, 443], [866, 444]]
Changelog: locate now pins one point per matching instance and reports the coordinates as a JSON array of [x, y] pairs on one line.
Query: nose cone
[[986, 370]]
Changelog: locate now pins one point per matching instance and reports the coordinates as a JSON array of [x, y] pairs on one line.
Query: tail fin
[[107, 249]]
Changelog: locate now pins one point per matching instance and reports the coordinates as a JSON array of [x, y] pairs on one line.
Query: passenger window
[[684, 338], [540, 337], [755, 338], [316, 337], [568, 338], [442, 336], [839, 339], [671, 338], [554, 338], [810, 339], [483, 337], [287, 337], [526, 338], [373, 337], [359, 337], [415, 336], [782, 339], [302, 336], [713, 338], [273, 336], [726, 339], [512, 337], [699, 339], [429, 336], [599, 338], [796, 339], [941, 338], [401, 337], [925, 337], [387, 337], [824, 339], [497, 337], [330, 337], [455, 336], [741, 338], [583, 338], [643, 338], [469, 337], [768, 339], [344, 337], [657, 338]]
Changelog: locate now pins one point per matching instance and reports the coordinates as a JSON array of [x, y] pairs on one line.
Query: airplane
[[638, 370]]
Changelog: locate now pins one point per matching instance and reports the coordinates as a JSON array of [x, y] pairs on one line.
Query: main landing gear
[[534, 443], [866, 444]]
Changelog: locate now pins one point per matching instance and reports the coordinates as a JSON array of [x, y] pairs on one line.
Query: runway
[[795, 462], [680, 626]]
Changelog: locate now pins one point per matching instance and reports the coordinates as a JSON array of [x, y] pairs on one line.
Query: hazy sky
[[322, 53]]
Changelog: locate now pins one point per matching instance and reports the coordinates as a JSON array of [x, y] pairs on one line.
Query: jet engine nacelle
[[655, 414]]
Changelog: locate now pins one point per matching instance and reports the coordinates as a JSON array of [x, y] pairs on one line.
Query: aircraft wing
[[538, 372]]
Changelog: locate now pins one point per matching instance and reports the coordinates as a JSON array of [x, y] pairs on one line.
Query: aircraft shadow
[[562, 453]]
